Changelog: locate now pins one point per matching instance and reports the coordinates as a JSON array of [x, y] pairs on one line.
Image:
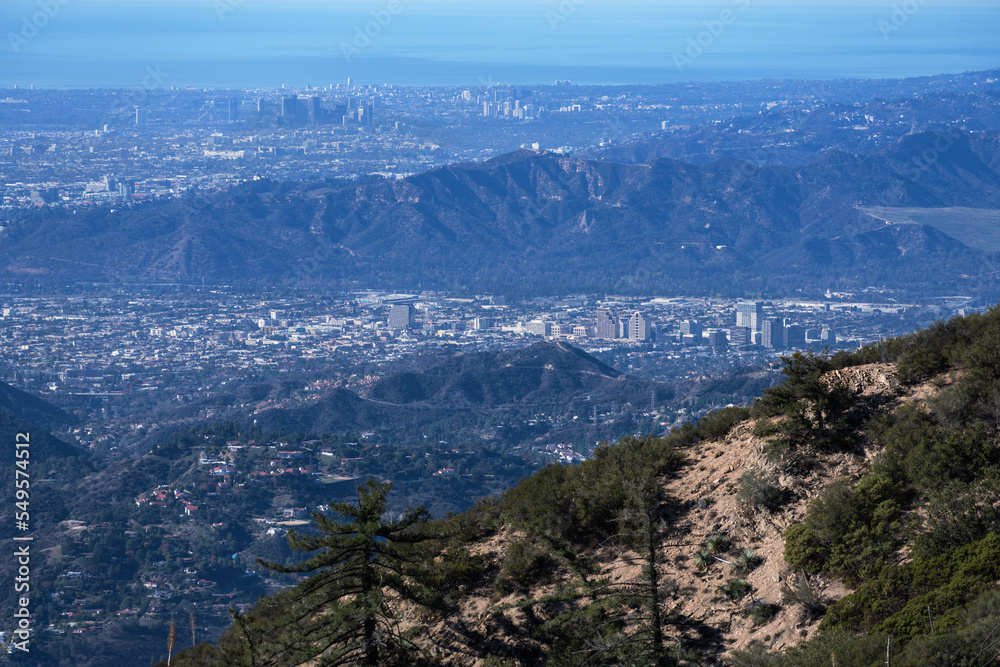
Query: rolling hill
[[458, 394]]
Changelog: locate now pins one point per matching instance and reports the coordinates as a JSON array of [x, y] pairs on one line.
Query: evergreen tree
[[343, 614], [622, 623]]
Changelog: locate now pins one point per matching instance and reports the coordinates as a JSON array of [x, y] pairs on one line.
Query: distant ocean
[[261, 44]]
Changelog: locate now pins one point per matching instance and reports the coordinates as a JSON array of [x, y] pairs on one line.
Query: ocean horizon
[[234, 44]]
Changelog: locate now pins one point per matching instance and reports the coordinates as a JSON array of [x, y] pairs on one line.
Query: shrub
[[718, 423], [801, 593], [755, 655], [758, 490], [804, 550], [458, 568], [523, 564], [581, 504]]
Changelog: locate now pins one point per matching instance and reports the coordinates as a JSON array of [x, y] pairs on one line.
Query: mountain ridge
[[542, 222]]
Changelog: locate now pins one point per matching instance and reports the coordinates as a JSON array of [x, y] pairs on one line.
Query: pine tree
[[343, 614], [621, 623]]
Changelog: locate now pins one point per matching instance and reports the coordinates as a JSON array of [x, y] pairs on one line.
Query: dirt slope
[[702, 500]]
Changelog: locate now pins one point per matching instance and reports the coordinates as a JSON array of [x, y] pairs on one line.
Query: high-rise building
[[538, 328], [290, 109], [141, 116], [639, 328], [233, 109], [773, 333], [828, 337], [366, 114], [741, 336], [717, 339], [401, 316], [315, 110], [606, 325], [750, 314], [795, 337], [691, 327]]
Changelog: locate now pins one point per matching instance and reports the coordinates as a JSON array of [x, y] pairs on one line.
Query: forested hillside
[[850, 511]]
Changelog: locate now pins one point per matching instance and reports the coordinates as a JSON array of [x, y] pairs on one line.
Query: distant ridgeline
[[531, 222], [884, 462]]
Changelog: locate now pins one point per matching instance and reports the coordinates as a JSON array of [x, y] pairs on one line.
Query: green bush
[[959, 514], [896, 600], [848, 531], [524, 564], [836, 647], [760, 491], [804, 550], [718, 423], [581, 504]]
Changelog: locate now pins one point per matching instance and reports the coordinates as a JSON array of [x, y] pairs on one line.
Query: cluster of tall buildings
[[299, 111], [636, 327], [773, 332]]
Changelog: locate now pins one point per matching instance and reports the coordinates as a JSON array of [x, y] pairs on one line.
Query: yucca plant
[[761, 611], [703, 560], [800, 592], [737, 589], [718, 543], [746, 561]]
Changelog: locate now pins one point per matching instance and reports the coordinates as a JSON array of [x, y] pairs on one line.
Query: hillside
[[547, 223], [33, 409], [460, 396], [854, 507]]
